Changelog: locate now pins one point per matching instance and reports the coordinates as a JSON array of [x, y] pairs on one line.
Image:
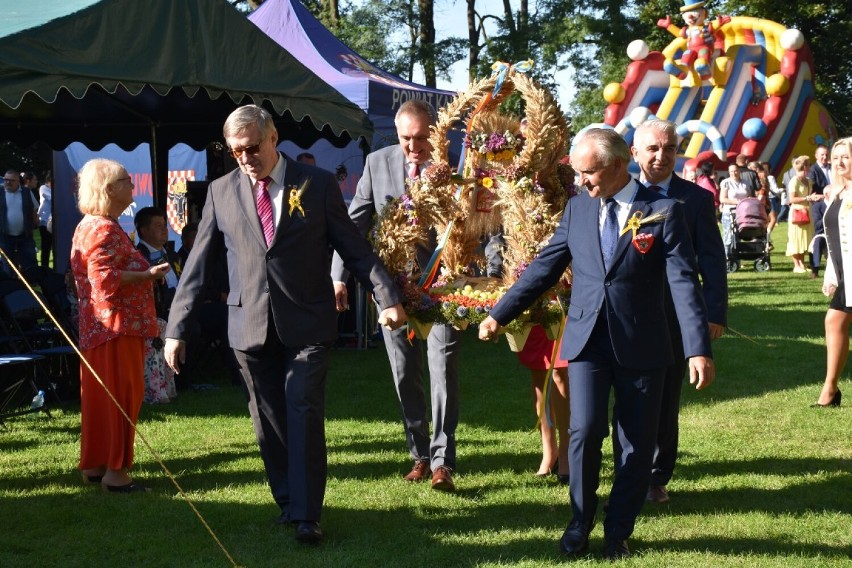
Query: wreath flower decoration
[[510, 182]]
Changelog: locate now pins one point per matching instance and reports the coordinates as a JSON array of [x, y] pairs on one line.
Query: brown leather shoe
[[442, 479], [657, 494], [419, 472]]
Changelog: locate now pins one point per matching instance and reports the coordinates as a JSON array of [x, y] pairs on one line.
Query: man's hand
[[488, 329], [828, 289], [341, 296], [701, 370], [716, 330], [175, 353], [391, 318]]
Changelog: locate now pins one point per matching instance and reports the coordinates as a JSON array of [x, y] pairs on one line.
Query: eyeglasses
[[236, 153]]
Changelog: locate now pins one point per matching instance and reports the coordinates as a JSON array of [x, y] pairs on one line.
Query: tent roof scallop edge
[[140, 57]]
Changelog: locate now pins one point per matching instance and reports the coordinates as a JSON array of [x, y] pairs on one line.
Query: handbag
[[801, 217]]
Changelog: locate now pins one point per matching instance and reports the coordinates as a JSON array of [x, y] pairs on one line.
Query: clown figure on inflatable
[[703, 41]]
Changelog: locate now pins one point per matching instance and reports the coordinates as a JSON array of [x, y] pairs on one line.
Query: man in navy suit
[[820, 176], [654, 149], [275, 219], [616, 335]]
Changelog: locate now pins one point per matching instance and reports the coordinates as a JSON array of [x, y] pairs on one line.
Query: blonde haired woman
[[799, 197], [836, 283], [116, 314]]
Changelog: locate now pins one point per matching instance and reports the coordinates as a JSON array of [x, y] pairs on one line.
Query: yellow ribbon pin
[[633, 224], [295, 200], [638, 219]]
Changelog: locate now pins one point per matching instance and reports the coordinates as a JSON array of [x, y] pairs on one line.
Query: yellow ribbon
[[633, 224], [295, 200], [637, 220]]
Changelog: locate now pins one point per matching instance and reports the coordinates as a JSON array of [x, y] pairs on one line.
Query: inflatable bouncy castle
[[749, 91]]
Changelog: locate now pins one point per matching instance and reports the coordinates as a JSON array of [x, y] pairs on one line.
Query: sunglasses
[[236, 153]]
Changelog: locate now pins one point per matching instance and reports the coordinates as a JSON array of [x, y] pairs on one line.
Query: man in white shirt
[[153, 231], [18, 220]]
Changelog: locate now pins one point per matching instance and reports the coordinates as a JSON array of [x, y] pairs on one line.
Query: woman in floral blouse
[[116, 315]]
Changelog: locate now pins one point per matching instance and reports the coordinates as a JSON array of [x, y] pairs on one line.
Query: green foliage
[[825, 25]]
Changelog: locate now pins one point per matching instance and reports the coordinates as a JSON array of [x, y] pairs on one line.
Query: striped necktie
[[413, 170], [264, 209]]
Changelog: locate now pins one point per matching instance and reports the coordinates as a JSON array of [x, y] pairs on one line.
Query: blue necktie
[[609, 235]]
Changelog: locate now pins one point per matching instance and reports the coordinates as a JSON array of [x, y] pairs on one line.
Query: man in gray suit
[[276, 218], [383, 180]]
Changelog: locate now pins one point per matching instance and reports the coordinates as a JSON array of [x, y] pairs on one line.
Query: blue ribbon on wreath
[[501, 69]]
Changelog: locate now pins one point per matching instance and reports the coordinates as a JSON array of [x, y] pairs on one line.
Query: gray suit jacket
[[382, 181], [291, 277]]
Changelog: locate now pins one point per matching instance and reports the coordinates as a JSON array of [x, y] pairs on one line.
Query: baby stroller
[[751, 239]]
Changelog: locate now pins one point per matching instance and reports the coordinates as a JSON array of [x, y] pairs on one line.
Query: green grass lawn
[[762, 479]]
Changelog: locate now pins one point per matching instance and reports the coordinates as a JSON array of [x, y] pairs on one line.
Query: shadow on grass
[[439, 531]]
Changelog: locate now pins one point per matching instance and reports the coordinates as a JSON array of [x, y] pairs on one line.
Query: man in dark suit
[[820, 176], [276, 218], [614, 336], [384, 179], [153, 231], [654, 149]]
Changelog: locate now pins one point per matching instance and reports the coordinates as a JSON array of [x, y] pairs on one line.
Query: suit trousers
[[286, 400], [591, 376], [820, 247], [665, 451], [407, 365]]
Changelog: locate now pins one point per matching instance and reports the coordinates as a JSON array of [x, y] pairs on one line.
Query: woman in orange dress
[[116, 314]]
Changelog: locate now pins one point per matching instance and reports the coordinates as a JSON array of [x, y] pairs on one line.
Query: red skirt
[[106, 438], [538, 351]]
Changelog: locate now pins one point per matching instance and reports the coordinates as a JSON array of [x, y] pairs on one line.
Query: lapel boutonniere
[[642, 242], [295, 199]]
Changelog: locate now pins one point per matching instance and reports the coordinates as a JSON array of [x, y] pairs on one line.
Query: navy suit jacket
[[700, 214], [632, 290], [818, 177]]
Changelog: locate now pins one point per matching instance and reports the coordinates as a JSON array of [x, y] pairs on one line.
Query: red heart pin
[[643, 242]]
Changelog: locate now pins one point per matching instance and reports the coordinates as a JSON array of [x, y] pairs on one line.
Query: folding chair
[[26, 333], [16, 371], [55, 294]]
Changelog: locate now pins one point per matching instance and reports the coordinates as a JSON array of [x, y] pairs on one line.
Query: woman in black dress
[[836, 284]]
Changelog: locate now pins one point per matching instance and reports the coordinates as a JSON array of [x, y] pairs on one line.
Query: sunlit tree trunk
[[427, 40]]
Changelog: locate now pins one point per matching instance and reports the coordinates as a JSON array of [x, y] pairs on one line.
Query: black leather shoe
[[575, 539], [835, 401], [308, 532], [283, 519], [616, 549]]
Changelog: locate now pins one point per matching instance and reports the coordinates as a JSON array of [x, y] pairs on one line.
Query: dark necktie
[[609, 234], [264, 209], [413, 170], [655, 188]]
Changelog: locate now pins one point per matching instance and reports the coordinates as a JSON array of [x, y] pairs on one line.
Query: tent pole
[[155, 169], [159, 170]]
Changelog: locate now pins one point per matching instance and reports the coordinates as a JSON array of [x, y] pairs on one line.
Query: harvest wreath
[[511, 181]]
